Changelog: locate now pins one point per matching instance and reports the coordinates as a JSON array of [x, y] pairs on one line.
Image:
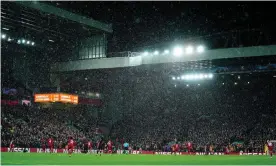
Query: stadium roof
[[47, 25], [96, 25], [142, 59]]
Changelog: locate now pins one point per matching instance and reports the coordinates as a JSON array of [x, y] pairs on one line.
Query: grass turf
[[92, 159]]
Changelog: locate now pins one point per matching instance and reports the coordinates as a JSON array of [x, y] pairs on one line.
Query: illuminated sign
[[10, 102], [56, 97]]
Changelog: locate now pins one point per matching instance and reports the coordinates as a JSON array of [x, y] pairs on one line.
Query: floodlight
[[188, 77], [177, 51], [189, 50], [23, 41], [28, 42], [201, 76], [192, 77], [146, 53], [166, 51], [156, 52], [3, 36], [200, 49], [210, 75], [33, 43]]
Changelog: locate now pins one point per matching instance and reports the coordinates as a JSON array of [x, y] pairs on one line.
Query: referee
[[126, 145]]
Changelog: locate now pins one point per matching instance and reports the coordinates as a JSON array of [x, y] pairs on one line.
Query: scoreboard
[[56, 97]]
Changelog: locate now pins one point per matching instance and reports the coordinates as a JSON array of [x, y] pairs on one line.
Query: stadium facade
[[35, 34], [75, 59]]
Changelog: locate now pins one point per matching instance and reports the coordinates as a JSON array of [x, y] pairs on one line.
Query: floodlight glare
[[146, 53], [189, 50], [23, 41], [177, 51], [18, 41], [33, 43], [188, 77], [200, 49], [166, 51], [28, 42], [196, 76], [173, 78], [3, 36], [192, 77], [9, 39], [210, 75], [156, 52], [201, 76]]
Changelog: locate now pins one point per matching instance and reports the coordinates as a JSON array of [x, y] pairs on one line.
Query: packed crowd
[[203, 116], [28, 126]]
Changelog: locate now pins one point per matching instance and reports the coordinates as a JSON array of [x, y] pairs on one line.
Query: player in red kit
[[176, 148], [109, 146], [270, 148], [189, 146], [11, 146], [173, 149], [70, 146], [51, 144], [89, 145]]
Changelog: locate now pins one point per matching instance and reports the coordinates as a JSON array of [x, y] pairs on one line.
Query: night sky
[[139, 24]]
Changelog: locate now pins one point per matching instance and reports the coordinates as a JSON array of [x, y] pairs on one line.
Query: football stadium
[[79, 88]]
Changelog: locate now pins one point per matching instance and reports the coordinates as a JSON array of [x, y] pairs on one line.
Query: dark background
[[138, 25]]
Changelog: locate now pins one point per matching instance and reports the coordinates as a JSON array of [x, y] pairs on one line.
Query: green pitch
[[89, 159]]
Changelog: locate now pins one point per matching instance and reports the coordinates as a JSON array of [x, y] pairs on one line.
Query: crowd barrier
[[40, 150]]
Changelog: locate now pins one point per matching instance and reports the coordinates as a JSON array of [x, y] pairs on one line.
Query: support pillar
[[55, 81]]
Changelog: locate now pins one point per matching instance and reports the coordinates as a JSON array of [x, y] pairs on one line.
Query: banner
[[39, 150], [10, 102], [9, 91]]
